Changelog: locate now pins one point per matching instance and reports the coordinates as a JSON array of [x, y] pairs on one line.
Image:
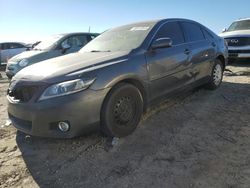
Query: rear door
[[169, 68], [203, 50]]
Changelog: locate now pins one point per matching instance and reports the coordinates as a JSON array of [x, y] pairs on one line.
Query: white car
[[10, 49], [238, 39]]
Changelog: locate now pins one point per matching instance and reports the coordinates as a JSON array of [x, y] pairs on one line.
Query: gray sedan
[[111, 81]]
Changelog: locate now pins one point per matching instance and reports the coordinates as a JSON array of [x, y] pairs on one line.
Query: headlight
[[66, 88], [23, 62]]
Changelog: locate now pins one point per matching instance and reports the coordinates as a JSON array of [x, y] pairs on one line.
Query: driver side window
[[173, 31], [75, 41]]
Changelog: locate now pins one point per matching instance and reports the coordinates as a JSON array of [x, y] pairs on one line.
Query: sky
[[33, 20]]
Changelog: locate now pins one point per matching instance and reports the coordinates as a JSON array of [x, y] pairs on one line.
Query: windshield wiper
[[100, 51]]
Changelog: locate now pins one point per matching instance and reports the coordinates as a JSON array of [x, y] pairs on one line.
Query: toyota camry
[[112, 80]]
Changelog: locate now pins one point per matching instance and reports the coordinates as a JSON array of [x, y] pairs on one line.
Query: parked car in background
[[10, 49], [238, 39], [51, 47], [32, 45], [114, 78]]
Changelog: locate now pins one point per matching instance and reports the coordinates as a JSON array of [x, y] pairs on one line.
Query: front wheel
[[216, 75], [121, 111]]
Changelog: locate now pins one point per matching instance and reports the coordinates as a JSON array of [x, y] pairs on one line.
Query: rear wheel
[[121, 111], [216, 75]]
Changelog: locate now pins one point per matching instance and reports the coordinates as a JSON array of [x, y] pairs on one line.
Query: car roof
[[77, 33], [242, 19], [178, 19], [12, 42], [161, 21]]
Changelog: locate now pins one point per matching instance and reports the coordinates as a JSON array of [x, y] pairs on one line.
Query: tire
[[121, 111], [216, 75]]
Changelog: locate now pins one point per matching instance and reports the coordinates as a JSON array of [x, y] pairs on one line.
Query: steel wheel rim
[[124, 111], [217, 74]]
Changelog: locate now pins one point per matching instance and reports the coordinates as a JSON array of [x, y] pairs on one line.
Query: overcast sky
[[32, 20]]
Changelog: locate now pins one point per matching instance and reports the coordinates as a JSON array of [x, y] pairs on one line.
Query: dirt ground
[[198, 139]]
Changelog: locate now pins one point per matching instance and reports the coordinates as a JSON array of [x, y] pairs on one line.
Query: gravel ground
[[198, 139]]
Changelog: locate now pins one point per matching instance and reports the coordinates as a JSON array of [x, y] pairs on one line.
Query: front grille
[[23, 94], [238, 41], [238, 51]]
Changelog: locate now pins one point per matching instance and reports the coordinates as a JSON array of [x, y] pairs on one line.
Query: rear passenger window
[[12, 46], [5, 46], [171, 30], [192, 32], [20, 45], [207, 34], [15, 45]]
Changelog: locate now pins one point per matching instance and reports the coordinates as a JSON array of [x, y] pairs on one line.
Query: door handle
[[213, 44], [187, 51]]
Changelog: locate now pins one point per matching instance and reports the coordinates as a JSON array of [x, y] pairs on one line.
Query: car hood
[[238, 33], [26, 55], [69, 64]]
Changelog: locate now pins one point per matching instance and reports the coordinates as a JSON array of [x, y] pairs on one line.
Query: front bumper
[[239, 52], [81, 110]]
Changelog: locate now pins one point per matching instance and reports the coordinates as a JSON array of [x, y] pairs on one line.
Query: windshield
[[48, 43], [240, 25], [120, 39]]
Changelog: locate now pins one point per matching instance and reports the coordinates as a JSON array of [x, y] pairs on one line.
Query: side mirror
[[162, 43], [224, 30]]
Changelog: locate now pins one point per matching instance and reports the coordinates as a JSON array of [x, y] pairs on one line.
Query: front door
[[169, 68]]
